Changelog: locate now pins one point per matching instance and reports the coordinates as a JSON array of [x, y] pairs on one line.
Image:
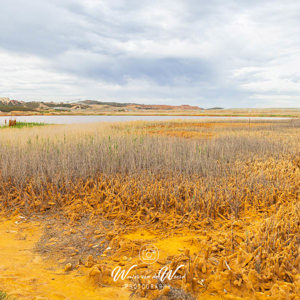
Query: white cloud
[[216, 53]]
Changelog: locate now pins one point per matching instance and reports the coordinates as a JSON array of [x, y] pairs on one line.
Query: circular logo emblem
[[149, 254]]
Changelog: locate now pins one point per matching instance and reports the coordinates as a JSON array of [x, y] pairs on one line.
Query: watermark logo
[[149, 254]]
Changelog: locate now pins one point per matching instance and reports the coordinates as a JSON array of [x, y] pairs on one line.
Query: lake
[[91, 119]]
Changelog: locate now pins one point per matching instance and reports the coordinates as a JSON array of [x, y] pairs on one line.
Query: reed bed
[[70, 152], [239, 188]]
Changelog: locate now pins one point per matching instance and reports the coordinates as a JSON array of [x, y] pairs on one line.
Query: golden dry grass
[[236, 198]]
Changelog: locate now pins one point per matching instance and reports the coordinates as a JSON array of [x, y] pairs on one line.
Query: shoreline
[[156, 114]]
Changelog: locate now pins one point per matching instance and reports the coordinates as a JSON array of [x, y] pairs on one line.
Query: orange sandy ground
[[27, 275], [24, 274]]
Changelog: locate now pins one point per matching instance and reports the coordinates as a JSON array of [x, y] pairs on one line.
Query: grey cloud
[[37, 27], [120, 69], [198, 47]]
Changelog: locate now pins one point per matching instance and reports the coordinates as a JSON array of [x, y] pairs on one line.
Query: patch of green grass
[[3, 296], [22, 125]]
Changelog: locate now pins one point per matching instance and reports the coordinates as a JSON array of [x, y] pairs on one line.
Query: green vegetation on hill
[[51, 104], [32, 105], [95, 102], [9, 108]]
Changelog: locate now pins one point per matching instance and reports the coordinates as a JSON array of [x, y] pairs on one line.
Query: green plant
[[24, 124], [3, 296]]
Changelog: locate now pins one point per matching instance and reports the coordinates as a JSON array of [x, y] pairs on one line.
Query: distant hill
[[91, 106], [166, 107], [96, 107], [7, 105], [214, 108], [9, 102], [95, 102], [140, 106]]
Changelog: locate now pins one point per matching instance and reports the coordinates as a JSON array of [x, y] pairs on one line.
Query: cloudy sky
[[229, 53]]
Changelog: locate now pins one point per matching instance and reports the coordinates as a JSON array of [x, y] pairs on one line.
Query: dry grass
[[240, 190], [71, 152]]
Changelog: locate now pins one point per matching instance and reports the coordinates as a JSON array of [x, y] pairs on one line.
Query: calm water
[[91, 119]]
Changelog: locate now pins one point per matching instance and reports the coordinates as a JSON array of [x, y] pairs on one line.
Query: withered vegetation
[[233, 186]]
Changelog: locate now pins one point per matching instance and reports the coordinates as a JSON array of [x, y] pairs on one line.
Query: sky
[[227, 53]]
